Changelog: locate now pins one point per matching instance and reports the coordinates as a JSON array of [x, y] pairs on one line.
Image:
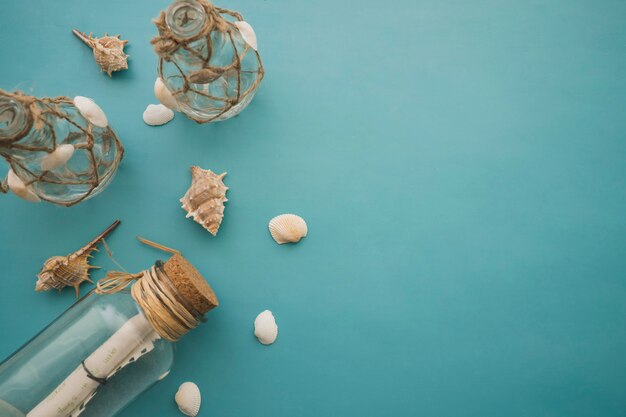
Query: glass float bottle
[[209, 68], [59, 150], [107, 348]]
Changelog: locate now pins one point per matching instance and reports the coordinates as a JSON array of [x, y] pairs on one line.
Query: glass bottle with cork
[[109, 347]]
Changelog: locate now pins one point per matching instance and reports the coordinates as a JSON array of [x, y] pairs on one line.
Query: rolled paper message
[[126, 344]]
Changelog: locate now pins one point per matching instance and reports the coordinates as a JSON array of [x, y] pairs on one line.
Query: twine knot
[[169, 313]]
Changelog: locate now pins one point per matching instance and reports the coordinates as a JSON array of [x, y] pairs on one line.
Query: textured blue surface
[[462, 168]]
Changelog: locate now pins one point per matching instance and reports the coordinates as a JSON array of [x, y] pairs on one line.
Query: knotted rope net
[[193, 68], [50, 122]]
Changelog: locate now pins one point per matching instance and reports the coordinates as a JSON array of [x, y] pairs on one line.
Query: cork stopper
[[190, 284]]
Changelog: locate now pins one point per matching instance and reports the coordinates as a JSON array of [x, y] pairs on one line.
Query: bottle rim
[[186, 18], [15, 118]]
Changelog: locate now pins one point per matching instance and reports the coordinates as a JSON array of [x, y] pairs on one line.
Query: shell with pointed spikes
[[108, 51], [71, 270], [204, 201]]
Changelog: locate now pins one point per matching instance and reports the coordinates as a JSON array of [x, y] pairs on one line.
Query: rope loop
[[169, 313]]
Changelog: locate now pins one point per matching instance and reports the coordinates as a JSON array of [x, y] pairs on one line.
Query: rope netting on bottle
[[167, 44], [41, 115]]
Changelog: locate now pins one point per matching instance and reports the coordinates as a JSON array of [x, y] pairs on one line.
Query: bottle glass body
[[30, 135], [100, 335], [231, 69]]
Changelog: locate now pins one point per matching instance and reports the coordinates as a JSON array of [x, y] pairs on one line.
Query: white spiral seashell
[[157, 115], [17, 186], [164, 95], [58, 157], [288, 228], [188, 399], [91, 111], [265, 328]]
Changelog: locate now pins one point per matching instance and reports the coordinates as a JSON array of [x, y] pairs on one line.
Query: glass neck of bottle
[[14, 119], [186, 18]]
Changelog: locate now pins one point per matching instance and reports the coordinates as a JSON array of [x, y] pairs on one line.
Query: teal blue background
[[462, 168]]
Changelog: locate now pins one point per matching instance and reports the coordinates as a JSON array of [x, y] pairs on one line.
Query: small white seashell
[[287, 228], [157, 115], [17, 186], [247, 33], [188, 399], [265, 328], [91, 111], [164, 95], [58, 157]]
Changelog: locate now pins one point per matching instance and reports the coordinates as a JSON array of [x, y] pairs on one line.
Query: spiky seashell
[[91, 111], [188, 399], [265, 328], [247, 33], [204, 201], [17, 186], [71, 270], [58, 157], [287, 228], [108, 51], [157, 115], [163, 94]]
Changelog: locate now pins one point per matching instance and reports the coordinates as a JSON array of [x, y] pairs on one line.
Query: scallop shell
[[108, 51], [91, 111], [265, 328], [71, 270], [247, 33], [164, 95], [157, 115], [17, 186], [188, 399], [204, 201], [58, 157], [287, 228]]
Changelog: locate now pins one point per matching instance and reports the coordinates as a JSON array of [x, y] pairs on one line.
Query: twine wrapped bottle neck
[[166, 309], [16, 118], [186, 21]]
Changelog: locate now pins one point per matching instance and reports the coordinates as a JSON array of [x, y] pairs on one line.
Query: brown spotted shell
[[204, 201], [72, 270], [108, 51]]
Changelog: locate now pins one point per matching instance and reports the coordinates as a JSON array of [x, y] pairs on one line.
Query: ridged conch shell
[[91, 111], [204, 201], [265, 328], [108, 51], [163, 94], [287, 228], [247, 33], [58, 157], [71, 270], [188, 399], [157, 115], [17, 186]]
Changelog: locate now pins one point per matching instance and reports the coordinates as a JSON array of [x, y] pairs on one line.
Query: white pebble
[[265, 328]]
